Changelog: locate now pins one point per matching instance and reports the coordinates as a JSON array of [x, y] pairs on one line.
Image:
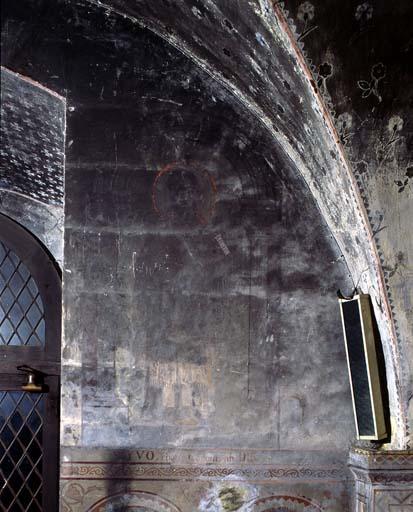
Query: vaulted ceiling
[[326, 81]]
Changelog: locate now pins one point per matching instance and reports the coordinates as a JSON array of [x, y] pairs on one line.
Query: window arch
[[30, 317], [21, 306]]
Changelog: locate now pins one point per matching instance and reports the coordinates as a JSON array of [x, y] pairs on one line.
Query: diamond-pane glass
[[21, 307], [21, 426]]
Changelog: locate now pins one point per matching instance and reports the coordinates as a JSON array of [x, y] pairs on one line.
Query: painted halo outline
[[202, 217]]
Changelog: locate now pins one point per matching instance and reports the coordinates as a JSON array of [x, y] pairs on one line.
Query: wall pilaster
[[383, 480]]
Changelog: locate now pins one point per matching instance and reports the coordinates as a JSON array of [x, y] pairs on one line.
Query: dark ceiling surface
[[354, 42], [361, 54]]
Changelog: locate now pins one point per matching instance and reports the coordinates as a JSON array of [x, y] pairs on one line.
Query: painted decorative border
[[131, 471], [201, 464], [400, 456], [381, 468], [371, 459]]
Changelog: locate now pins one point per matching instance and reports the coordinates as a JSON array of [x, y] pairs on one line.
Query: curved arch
[[45, 273], [284, 502], [30, 323], [300, 124], [44, 222], [150, 502], [32, 159]]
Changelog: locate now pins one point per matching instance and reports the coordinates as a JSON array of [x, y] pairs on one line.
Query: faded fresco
[[213, 199]]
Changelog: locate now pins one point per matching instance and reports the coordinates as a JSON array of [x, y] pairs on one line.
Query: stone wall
[[202, 363], [257, 55]]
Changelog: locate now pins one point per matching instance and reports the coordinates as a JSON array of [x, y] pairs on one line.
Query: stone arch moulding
[[302, 128]]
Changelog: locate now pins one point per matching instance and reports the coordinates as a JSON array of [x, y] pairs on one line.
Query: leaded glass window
[[21, 307], [21, 451]]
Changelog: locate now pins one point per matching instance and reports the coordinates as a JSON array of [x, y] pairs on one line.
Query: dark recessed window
[[21, 307]]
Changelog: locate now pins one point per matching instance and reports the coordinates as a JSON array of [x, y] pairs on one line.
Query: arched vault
[[249, 48]]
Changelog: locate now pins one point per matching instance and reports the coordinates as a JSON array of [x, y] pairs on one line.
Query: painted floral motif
[[405, 181], [376, 221], [361, 167], [344, 123], [305, 14], [325, 71], [364, 12], [395, 124], [386, 149], [398, 266], [377, 73]]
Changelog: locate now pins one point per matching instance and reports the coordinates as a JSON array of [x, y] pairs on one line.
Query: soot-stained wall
[[210, 287], [197, 265], [257, 52], [200, 278], [198, 269]]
